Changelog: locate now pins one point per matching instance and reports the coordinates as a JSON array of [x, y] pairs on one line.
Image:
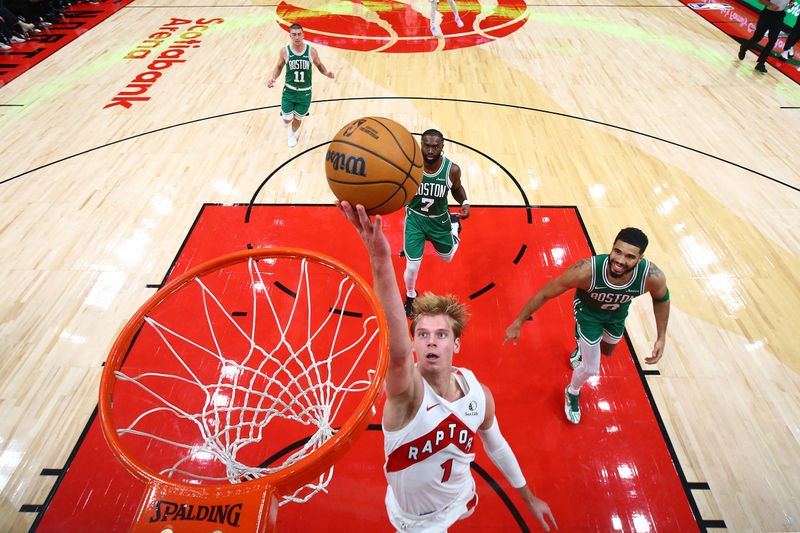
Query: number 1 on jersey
[[299, 76], [447, 466]]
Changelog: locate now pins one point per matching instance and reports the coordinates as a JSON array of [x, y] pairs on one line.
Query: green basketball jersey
[[431, 197], [298, 69], [609, 301]]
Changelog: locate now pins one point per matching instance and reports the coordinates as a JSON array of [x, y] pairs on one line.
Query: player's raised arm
[[282, 55], [501, 454], [401, 378], [578, 275], [657, 287]]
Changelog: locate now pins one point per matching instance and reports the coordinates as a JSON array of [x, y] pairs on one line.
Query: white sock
[[410, 277]]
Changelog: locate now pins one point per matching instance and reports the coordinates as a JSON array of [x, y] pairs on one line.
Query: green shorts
[[593, 327], [295, 104], [419, 228]]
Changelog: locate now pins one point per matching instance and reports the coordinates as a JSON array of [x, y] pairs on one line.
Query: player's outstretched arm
[[318, 62], [657, 287], [501, 454], [578, 275], [282, 56], [400, 378], [458, 191], [538, 508]]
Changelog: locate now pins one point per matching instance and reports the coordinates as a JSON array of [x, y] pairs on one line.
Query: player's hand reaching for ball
[[370, 232]]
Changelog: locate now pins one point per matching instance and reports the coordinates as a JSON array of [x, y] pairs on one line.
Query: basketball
[[375, 162]]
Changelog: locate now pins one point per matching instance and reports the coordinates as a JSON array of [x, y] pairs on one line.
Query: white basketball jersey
[[427, 461]]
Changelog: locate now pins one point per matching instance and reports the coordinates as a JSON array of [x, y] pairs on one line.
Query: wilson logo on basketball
[[396, 27], [351, 164], [220, 514]]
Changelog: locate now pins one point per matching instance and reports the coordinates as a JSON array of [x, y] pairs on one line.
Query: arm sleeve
[[663, 298], [502, 456]]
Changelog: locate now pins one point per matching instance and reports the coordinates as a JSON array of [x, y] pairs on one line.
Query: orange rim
[[293, 476]]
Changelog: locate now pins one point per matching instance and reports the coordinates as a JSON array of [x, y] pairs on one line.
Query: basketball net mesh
[[287, 381]]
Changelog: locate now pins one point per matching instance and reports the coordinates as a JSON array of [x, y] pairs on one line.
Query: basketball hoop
[[232, 391]]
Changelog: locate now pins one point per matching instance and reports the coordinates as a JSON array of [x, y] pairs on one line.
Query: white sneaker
[[787, 54], [435, 31], [4, 46], [16, 39], [459, 23], [292, 139], [572, 406]]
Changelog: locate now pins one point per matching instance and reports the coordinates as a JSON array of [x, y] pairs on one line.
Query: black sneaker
[[761, 67], [455, 218], [742, 51], [409, 305]]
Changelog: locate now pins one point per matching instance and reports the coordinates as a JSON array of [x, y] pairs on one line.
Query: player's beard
[[433, 160]]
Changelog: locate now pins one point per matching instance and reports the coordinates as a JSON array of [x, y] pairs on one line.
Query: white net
[[238, 395]]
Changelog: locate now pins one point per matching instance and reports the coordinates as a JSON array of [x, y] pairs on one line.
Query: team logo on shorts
[[396, 27]]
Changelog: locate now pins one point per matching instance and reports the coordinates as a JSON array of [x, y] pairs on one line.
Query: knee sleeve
[[590, 364]]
